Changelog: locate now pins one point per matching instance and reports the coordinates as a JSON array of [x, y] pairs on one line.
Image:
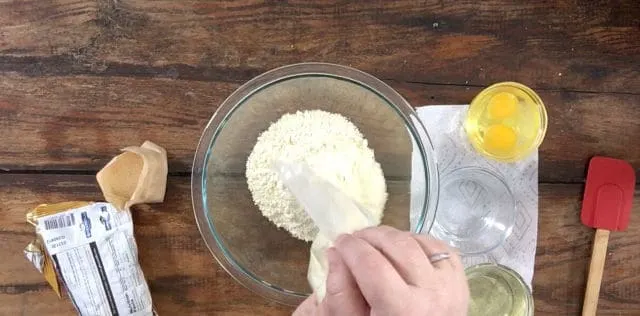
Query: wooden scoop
[[606, 207]]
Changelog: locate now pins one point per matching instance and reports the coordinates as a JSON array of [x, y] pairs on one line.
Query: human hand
[[342, 296], [384, 271]]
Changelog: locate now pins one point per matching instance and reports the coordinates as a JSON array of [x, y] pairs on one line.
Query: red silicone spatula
[[606, 207]]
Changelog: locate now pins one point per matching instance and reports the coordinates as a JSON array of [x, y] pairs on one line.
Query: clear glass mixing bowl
[[268, 260]]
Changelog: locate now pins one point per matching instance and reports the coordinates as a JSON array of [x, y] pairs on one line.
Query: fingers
[[404, 252], [433, 246], [376, 277], [307, 308], [343, 295]]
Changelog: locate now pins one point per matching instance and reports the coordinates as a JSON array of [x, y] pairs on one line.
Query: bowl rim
[[237, 98]]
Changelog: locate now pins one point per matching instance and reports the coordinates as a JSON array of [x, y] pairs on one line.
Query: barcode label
[[60, 221]]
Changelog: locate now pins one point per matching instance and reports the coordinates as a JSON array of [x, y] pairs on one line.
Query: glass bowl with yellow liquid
[[506, 121], [498, 290]]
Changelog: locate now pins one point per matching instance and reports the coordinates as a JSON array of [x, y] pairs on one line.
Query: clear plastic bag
[[331, 210]]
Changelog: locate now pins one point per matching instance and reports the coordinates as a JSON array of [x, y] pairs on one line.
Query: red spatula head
[[608, 194]]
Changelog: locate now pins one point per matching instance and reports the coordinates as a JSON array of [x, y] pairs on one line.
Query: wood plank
[[568, 44], [185, 279], [78, 123], [45, 28], [564, 252]]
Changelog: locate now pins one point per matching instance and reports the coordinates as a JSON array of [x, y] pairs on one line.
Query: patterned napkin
[[444, 125]]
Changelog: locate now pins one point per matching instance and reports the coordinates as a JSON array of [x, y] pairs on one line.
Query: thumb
[[343, 295], [307, 308]]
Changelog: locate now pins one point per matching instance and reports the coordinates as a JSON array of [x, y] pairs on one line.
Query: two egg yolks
[[500, 136]]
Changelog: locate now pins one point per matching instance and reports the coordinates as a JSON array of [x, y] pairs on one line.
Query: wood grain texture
[[184, 279], [78, 123], [46, 28], [579, 45], [564, 252]]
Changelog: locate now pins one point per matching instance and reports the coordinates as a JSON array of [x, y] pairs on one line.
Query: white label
[[94, 252]]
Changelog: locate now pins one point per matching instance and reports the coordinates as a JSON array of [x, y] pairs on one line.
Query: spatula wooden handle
[[598, 255]]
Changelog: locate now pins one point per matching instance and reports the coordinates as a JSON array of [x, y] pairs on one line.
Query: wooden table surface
[[80, 79]]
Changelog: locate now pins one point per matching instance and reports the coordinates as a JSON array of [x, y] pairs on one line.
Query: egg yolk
[[500, 137], [502, 105]]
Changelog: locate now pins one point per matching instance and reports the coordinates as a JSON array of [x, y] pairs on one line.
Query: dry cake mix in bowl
[[305, 112]]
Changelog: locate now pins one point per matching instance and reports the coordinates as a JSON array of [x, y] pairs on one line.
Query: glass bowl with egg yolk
[[506, 121]]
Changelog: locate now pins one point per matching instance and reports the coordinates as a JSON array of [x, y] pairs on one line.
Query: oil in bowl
[[496, 290], [506, 121]]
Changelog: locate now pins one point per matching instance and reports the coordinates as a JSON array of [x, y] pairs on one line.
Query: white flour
[[332, 147]]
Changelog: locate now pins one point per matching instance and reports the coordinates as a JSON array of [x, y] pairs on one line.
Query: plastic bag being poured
[[331, 210]]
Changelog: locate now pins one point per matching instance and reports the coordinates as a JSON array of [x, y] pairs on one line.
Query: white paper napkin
[[453, 150]]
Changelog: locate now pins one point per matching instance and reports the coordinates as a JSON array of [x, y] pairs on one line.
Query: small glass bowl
[[506, 131], [498, 290], [476, 212]]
